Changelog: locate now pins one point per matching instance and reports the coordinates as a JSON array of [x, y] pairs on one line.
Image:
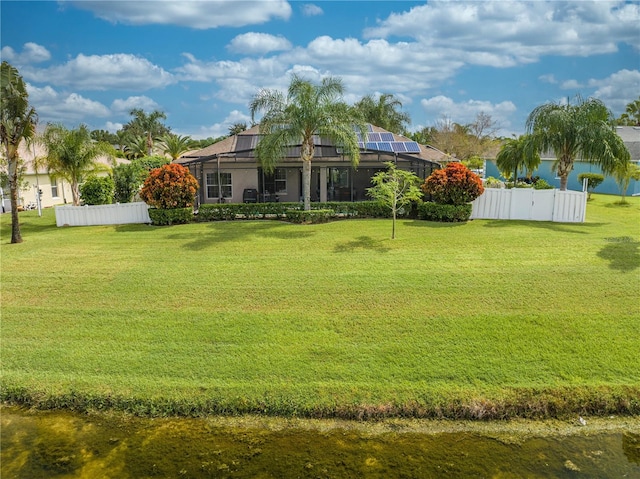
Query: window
[[276, 183], [213, 190], [54, 188]]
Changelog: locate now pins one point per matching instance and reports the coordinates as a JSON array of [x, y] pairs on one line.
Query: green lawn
[[326, 319]]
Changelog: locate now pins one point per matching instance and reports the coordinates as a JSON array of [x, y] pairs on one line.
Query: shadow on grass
[[433, 224], [238, 231], [578, 228], [622, 252], [362, 242]]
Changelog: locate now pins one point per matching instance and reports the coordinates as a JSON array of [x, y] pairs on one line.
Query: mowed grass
[[331, 319]]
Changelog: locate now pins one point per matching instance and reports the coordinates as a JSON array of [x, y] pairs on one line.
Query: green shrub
[[128, 178], [446, 213], [174, 216], [310, 217], [593, 181], [542, 184], [97, 190], [492, 182]]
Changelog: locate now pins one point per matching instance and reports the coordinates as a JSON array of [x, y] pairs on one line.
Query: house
[[228, 171], [631, 137], [53, 191]]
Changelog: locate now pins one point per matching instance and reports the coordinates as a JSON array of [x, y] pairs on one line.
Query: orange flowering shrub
[[453, 185], [170, 186]]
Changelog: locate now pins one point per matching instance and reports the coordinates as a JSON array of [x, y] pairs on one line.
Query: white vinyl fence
[[530, 204], [118, 214]]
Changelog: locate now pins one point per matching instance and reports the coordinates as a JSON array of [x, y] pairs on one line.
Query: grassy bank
[[478, 320]]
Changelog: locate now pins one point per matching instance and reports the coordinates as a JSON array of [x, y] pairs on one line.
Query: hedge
[[233, 211], [445, 213], [310, 217], [174, 216]]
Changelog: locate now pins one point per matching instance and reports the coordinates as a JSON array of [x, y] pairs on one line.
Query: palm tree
[[17, 122], [517, 153], [137, 147], [72, 154], [175, 145], [308, 110], [237, 128], [147, 125], [385, 112], [631, 116], [577, 130]]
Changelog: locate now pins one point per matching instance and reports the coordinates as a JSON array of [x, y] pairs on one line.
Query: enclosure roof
[[382, 141]]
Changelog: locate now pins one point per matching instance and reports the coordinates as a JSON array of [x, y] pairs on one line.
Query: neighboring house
[[54, 191], [228, 171], [631, 137]]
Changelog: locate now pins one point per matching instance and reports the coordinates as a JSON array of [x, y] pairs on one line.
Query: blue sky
[[201, 62]]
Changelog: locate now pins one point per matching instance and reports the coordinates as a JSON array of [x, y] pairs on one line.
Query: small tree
[[170, 186], [624, 173], [395, 189], [593, 181], [97, 190], [453, 185]]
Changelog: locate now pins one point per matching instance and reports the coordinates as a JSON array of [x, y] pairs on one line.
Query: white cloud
[[31, 53], [222, 128], [258, 43], [506, 33], [193, 14], [549, 78], [125, 106], [618, 89], [56, 107], [571, 85], [113, 127], [465, 112], [310, 10], [104, 72]]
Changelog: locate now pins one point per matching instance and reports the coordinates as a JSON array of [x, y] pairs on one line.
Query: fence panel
[[93, 215], [529, 204]]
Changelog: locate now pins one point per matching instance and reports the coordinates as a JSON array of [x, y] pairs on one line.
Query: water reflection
[[64, 445]]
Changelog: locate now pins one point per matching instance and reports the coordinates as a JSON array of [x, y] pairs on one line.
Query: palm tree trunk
[[75, 193], [306, 184], [16, 236], [564, 168]]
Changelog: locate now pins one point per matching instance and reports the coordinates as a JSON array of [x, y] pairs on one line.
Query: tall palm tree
[[385, 112], [72, 154], [175, 145], [517, 153], [17, 123], [306, 111], [583, 129], [147, 125]]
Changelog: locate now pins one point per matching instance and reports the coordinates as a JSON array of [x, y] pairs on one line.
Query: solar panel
[[384, 146], [370, 127], [361, 145], [374, 137], [412, 147], [386, 137], [372, 145], [398, 146]]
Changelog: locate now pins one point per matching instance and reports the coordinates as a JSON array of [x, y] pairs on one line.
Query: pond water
[[54, 444]]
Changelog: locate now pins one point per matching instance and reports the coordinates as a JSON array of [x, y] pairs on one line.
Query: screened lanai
[[228, 171]]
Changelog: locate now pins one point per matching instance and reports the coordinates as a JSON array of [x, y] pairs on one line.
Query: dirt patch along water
[[37, 444]]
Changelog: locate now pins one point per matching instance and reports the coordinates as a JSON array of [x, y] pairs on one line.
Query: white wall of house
[[54, 192]]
